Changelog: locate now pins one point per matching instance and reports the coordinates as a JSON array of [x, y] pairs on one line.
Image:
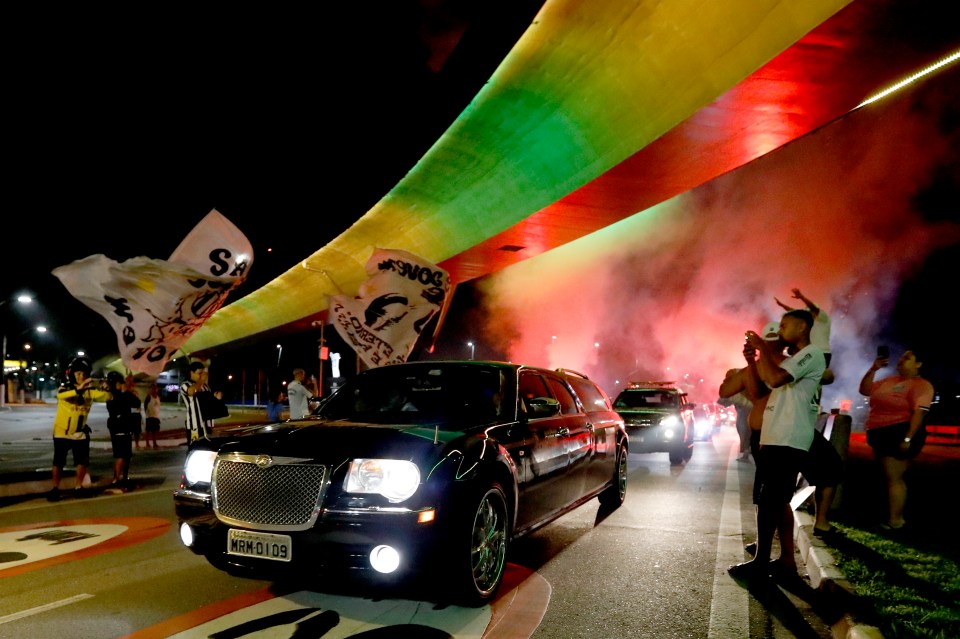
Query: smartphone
[[883, 351]]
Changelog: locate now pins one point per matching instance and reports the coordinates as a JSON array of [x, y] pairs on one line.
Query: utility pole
[[323, 353]]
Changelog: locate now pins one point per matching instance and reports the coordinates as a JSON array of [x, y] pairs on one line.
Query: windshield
[[646, 399], [450, 395]]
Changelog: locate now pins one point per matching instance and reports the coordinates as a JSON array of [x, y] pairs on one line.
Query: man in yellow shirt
[[70, 431]]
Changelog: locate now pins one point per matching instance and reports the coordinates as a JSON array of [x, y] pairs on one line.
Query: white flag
[[156, 305], [400, 297]]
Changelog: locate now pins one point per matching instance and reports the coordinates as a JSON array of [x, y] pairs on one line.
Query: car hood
[[335, 441], [645, 411]]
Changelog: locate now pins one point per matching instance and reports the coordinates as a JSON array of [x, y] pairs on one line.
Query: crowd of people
[[125, 417], [777, 398]]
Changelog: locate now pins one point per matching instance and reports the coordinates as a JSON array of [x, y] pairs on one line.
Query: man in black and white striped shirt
[[196, 425]]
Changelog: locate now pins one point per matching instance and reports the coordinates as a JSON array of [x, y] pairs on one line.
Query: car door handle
[[563, 432]]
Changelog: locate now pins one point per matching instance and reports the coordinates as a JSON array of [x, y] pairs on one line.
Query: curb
[[826, 578]]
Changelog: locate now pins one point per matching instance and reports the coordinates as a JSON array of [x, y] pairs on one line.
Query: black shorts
[[122, 445], [153, 424], [79, 447], [136, 425], [885, 441], [779, 467], [757, 475], [822, 465]]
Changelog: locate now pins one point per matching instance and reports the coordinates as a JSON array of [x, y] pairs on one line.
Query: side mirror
[[543, 407]]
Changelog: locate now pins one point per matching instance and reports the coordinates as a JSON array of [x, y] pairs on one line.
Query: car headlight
[[199, 466], [669, 421], [395, 479]]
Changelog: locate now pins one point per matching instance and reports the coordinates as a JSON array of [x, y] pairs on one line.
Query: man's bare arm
[[813, 308], [732, 384], [782, 305]]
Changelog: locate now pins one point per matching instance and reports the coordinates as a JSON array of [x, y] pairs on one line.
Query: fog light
[[186, 535], [384, 559]]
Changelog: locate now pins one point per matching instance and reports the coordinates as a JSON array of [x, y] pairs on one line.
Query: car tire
[[688, 452], [614, 495], [677, 455], [481, 547]]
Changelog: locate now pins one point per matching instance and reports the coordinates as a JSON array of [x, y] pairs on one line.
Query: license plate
[[256, 544]]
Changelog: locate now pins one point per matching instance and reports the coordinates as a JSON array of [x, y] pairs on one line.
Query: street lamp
[[279, 353], [20, 299], [473, 348]]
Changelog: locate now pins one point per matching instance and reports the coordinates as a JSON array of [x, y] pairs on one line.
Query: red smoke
[[668, 293]]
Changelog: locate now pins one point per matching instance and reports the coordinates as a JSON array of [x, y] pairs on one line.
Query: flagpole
[[322, 323], [448, 300], [320, 378]]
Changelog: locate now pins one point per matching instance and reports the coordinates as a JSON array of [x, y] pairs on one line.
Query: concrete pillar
[[840, 438]]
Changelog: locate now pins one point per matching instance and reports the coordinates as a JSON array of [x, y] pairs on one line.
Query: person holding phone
[[898, 406], [786, 435]]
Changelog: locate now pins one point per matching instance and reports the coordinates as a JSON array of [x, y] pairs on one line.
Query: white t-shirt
[[791, 412], [299, 398], [820, 332]]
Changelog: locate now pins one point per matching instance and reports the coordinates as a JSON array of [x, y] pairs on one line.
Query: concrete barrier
[[836, 427]]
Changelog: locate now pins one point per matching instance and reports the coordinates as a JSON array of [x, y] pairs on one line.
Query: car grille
[[282, 494], [643, 421]]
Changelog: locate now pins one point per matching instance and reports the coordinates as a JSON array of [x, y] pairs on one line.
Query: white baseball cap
[[771, 332]]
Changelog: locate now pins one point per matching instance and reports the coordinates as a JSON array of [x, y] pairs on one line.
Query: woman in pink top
[[898, 406]]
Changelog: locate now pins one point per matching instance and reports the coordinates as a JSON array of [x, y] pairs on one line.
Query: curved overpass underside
[[600, 111]]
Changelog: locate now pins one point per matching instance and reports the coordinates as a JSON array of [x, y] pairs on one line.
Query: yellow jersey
[[72, 410]]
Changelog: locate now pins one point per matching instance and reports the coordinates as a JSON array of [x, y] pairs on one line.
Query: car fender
[[479, 461]]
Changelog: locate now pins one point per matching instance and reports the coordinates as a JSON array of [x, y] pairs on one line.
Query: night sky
[[121, 141]]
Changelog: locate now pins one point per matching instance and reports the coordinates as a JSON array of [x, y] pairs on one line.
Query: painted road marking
[[514, 614], [45, 607], [34, 546], [730, 606]]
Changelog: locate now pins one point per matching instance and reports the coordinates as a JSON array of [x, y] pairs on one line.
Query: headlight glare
[[669, 421], [199, 466], [395, 479]]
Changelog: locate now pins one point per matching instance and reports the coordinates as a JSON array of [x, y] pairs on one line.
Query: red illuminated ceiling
[[853, 55]]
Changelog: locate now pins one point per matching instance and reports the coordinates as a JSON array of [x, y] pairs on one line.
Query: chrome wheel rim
[[622, 475], [488, 548]]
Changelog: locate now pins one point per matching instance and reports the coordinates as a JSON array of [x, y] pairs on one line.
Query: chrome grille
[[640, 420], [267, 493]]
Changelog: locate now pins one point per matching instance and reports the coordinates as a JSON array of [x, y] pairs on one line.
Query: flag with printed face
[[155, 305], [401, 295]]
